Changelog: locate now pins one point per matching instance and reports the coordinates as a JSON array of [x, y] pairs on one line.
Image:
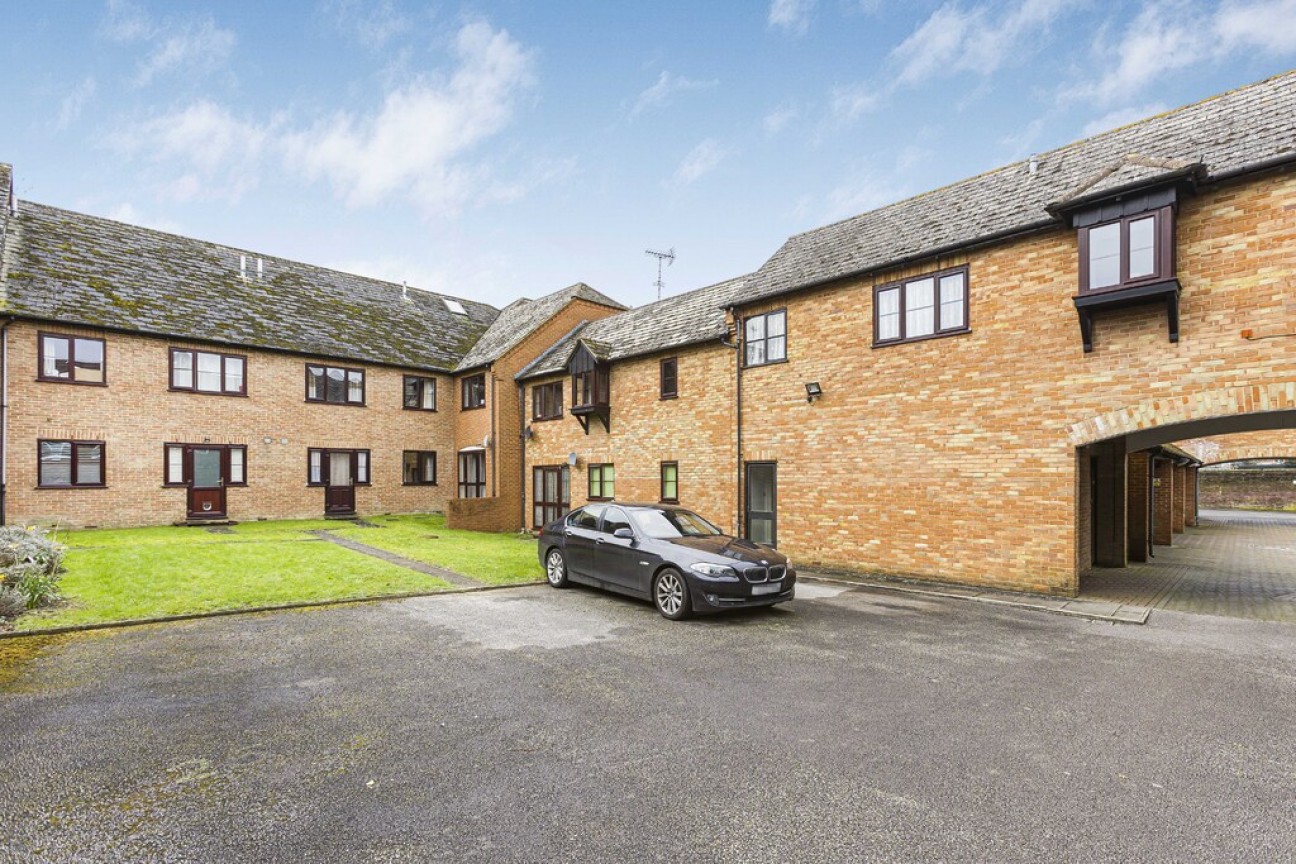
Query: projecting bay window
[[335, 384], [934, 304], [551, 493], [765, 338], [1127, 252], [590, 380], [419, 468], [70, 464], [208, 372], [71, 359], [420, 393]]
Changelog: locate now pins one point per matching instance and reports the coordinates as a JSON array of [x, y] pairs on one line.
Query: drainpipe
[[522, 472], [740, 525], [4, 417]]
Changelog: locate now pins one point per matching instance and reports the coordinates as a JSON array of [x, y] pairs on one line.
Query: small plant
[[12, 604], [31, 563]]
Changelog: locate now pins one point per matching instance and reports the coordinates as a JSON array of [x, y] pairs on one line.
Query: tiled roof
[[685, 319], [517, 320], [6, 187], [1233, 131], [81, 269]]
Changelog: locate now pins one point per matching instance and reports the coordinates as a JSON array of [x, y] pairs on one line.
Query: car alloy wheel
[[556, 569], [670, 594]]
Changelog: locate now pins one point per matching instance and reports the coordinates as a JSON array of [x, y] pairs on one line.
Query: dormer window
[[1126, 252], [590, 388]]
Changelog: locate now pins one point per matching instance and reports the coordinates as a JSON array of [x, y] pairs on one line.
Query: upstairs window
[[1134, 250], [934, 304], [766, 338], [670, 378], [420, 393], [335, 384], [547, 401], [71, 359], [473, 392], [208, 372]]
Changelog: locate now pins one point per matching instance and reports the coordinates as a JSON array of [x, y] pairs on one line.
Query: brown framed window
[[551, 495], [670, 482], [69, 464], [177, 467], [602, 482], [1134, 250], [317, 465], [926, 306], [420, 393], [71, 359], [765, 338], [419, 468], [670, 378], [472, 474], [335, 384], [590, 387], [547, 401], [473, 392], [208, 372]]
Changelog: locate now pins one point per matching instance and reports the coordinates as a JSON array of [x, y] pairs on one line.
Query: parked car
[[669, 555]]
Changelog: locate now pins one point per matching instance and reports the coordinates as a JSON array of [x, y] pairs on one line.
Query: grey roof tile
[[81, 269], [517, 320], [685, 319], [1237, 129]]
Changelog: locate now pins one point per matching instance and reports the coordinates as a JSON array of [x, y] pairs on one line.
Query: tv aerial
[[667, 256]]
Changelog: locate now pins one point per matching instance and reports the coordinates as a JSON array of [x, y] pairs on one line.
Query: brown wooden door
[[206, 482], [339, 479]]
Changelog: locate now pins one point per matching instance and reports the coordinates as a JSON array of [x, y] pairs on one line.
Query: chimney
[[260, 269], [243, 267]]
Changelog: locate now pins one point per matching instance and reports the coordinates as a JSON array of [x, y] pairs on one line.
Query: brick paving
[[1236, 563]]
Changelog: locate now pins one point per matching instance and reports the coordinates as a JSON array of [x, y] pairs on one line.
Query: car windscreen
[[669, 524]]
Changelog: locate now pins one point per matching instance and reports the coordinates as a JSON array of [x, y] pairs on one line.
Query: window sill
[[420, 484], [70, 381], [767, 363], [338, 404], [71, 488], [962, 331], [197, 392], [471, 407], [546, 419], [668, 397], [416, 408]]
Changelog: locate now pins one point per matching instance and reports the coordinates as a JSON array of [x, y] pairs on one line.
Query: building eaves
[[1249, 126]]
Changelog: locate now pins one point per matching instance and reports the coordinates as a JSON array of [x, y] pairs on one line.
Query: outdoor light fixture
[[813, 391], [528, 433]]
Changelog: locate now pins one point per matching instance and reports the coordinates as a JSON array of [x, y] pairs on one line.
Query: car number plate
[[770, 588]]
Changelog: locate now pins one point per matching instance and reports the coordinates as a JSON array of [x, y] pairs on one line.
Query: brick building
[[981, 384]]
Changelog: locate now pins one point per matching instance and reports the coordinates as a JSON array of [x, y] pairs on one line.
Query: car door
[[616, 559], [580, 535]]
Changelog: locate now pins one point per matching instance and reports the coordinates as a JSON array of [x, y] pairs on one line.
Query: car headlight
[[715, 571], [788, 564]]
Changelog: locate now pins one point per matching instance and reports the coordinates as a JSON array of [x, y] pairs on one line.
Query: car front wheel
[[556, 569], [670, 595]]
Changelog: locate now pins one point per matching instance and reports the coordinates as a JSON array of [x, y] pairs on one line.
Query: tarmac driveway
[[537, 725]]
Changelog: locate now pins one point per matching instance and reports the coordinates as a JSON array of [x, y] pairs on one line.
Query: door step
[[208, 523], [343, 517]]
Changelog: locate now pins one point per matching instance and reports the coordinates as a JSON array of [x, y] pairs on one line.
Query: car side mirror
[[623, 533]]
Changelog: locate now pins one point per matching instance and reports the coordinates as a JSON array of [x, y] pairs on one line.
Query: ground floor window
[[670, 482], [602, 479], [551, 494], [419, 468], [70, 463], [185, 462], [337, 467], [762, 502], [472, 474]]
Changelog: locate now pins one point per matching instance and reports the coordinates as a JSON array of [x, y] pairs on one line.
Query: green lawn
[[114, 575]]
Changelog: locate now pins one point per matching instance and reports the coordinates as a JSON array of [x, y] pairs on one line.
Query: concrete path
[[1235, 563], [456, 579]]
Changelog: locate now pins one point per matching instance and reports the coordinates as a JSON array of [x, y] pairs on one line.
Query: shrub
[[12, 604], [30, 566]]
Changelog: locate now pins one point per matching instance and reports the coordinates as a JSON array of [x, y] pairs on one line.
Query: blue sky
[[508, 148]]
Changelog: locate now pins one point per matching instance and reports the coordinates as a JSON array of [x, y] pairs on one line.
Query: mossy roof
[[519, 319], [79, 269]]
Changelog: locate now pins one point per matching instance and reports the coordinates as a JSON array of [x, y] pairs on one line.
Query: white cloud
[[74, 103], [373, 24], [791, 15], [416, 144], [777, 120], [701, 160], [128, 213], [666, 87], [848, 103], [863, 191], [980, 39], [196, 47], [1121, 117], [126, 22], [1269, 26]]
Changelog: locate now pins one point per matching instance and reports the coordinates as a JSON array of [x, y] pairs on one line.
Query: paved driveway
[[537, 725]]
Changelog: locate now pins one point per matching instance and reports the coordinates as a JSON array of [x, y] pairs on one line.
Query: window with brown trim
[[590, 387], [551, 493], [69, 464], [934, 304], [317, 465], [472, 474], [670, 378], [602, 482], [71, 359], [473, 392], [419, 468], [335, 384], [547, 401], [420, 393], [177, 463], [670, 482], [1134, 250], [208, 372], [765, 338]]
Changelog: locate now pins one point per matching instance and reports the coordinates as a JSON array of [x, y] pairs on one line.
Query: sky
[[508, 148]]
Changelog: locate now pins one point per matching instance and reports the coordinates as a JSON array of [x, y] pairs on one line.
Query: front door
[[339, 490], [762, 502], [206, 483]]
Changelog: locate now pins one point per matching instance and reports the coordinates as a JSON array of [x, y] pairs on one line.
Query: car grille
[[765, 574]]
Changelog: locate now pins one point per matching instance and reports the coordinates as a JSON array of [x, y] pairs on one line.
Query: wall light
[[813, 391]]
